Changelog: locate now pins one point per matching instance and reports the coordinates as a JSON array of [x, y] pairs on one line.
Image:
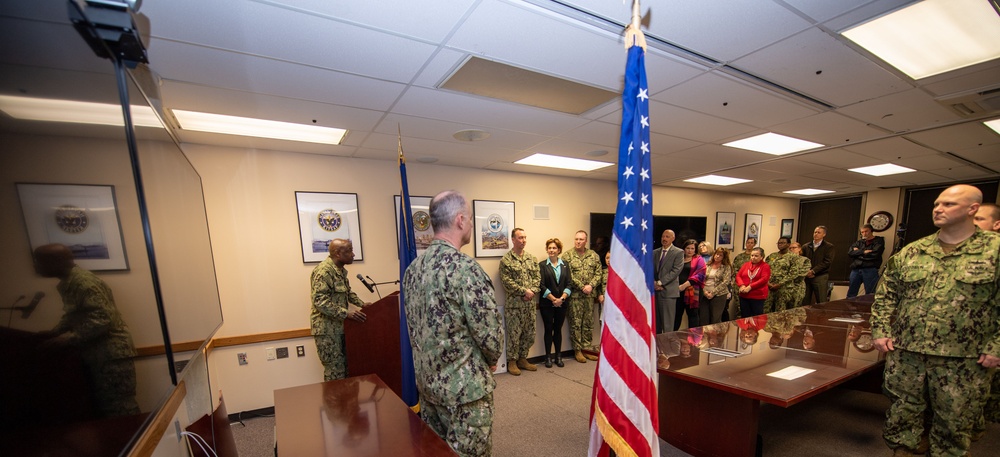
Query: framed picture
[[753, 227], [725, 229], [786, 228], [82, 217], [494, 221], [420, 207], [326, 216]]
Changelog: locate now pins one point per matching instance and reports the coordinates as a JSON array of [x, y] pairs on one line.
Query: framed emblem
[[423, 233], [82, 217], [326, 216], [751, 229], [494, 221]]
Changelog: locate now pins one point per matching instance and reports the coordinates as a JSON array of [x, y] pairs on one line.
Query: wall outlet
[[282, 353], [242, 358], [300, 351], [270, 353]]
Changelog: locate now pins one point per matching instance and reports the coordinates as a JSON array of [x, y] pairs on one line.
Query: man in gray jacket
[[667, 263]]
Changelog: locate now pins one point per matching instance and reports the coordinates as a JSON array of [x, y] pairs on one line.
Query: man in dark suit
[[668, 261], [820, 253]]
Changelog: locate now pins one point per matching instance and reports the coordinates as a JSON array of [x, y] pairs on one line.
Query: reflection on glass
[[92, 325], [43, 407]]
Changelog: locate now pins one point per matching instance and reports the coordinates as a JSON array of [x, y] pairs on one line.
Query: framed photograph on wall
[[494, 221], [420, 207], [786, 228], [83, 217], [753, 226], [725, 229], [326, 216]]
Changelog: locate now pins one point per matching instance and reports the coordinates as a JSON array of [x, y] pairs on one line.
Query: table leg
[[703, 421]]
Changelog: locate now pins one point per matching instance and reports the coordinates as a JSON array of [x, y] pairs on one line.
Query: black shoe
[[559, 362], [548, 362]]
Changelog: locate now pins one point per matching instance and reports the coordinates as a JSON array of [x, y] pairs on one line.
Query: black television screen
[[685, 227]]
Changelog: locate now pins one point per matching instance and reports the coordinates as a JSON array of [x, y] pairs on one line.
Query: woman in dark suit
[[553, 304]]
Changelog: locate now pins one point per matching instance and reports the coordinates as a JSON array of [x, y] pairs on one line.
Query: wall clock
[[880, 221]]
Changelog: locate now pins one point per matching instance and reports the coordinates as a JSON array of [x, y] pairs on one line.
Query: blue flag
[[407, 253]]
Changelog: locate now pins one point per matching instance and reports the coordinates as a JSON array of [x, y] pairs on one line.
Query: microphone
[[30, 307], [365, 283]]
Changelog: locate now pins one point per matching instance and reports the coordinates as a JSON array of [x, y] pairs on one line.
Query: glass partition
[[72, 183]]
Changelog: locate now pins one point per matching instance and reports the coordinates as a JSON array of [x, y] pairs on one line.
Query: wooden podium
[[373, 345]]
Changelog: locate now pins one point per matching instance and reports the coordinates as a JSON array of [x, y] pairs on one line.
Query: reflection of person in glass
[[781, 325], [341, 405], [750, 328], [91, 322]]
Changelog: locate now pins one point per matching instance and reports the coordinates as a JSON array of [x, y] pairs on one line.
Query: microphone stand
[[376, 284]]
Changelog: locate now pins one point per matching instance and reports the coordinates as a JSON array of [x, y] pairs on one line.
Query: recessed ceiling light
[[933, 36], [773, 143], [261, 128], [994, 124], [52, 110], [882, 170], [597, 153], [471, 135], [717, 180], [808, 192], [568, 163], [427, 159]]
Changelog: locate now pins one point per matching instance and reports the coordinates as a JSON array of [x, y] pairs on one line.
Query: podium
[[372, 347]]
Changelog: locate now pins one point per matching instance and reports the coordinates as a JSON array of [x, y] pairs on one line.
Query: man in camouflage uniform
[[522, 282], [738, 262], [988, 219], [455, 331], [91, 322], [799, 285], [332, 302], [936, 313], [586, 272], [786, 271]]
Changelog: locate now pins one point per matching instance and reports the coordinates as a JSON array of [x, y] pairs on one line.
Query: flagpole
[[624, 417]]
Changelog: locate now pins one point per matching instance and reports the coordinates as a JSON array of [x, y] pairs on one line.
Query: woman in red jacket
[[752, 282]]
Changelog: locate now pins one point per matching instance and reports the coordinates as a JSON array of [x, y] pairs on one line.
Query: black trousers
[[553, 318]]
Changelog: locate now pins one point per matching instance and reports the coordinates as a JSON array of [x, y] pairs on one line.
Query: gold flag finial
[[399, 138], [633, 34]]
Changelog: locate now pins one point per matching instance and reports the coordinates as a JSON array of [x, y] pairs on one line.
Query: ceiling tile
[[890, 149], [817, 64], [829, 128], [683, 123], [727, 98], [431, 129], [901, 112]]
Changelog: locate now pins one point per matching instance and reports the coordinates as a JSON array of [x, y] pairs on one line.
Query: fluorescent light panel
[[773, 143], [567, 163], [717, 180], [994, 124], [883, 170], [933, 36], [246, 126], [808, 192], [77, 112]]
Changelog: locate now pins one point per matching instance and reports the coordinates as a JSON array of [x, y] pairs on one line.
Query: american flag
[[623, 413]]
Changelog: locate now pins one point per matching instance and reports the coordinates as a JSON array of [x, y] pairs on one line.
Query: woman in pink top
[[752, 282]]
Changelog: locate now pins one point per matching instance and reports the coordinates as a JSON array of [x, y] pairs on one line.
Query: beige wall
[[264, 285]]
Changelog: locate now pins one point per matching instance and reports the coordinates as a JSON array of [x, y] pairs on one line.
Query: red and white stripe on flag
[[624, 406]]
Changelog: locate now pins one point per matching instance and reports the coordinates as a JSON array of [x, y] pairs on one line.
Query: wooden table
[[353, 417], [709, 401]]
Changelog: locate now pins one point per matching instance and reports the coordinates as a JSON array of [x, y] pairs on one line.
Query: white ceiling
[[750, 66]]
